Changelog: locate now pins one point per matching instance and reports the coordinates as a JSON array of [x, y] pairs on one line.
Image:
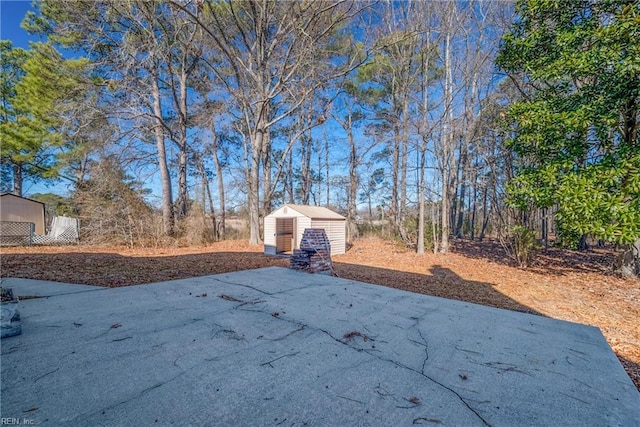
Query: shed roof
[[20, 197], [315, 212]]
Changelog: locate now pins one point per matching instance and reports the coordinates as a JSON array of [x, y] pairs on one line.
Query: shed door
[[284, 234]]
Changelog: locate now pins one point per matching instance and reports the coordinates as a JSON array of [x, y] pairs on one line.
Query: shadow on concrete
[[443, 282], [553, 261], [632, 369]]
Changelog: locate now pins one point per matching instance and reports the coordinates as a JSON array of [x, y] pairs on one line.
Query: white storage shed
[[283, 228]]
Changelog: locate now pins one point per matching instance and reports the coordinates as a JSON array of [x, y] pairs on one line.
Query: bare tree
[[429, 75], [267, 47], [445, 148], [352, 115], [221, 228], [126, 46], [181, 56]]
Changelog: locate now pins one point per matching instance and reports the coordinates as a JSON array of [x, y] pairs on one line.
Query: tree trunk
[[220, 231], [289, 179], [582, 244], [404, 162], [305, 171], [181, 205], [319, 186], [206, 195], [352, 227], [182, 149], [434, 227], [167, 196], [266, 172], [81, 172], [423, 149], [307, 142], [394, 211], [545, 228], [254, 188], [463, 188], [445, 216], [17, 179], [474, 208], [628, 262], [485, 206], [258, 138], [447, 139], [328, 166], [420, 249]]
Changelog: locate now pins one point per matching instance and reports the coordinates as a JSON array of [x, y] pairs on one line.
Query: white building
[[283, 228]]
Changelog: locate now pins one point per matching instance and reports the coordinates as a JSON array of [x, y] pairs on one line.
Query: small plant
[[411, 228], [520, 244]]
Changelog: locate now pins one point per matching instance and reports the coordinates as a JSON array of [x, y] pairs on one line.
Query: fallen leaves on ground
[[566, 285]]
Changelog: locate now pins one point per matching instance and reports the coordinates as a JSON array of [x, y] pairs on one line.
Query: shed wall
[[336, 233], [335, 229], [13, 208], [270, 231], [270, 235], [303, 222]]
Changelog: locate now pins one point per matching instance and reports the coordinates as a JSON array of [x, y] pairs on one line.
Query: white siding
[[270, 232], [303, 223], [335, 230], [334, 227], [338, 236], [270, 235]]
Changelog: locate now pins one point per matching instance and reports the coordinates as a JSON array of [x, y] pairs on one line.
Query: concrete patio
[[279, 347]]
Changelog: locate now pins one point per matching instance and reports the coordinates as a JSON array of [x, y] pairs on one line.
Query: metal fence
[[13, 233]]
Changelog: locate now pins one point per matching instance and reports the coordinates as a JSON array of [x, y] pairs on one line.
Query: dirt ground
[[562, 284]]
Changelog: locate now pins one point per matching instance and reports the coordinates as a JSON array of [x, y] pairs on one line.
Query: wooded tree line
[[382, 110]]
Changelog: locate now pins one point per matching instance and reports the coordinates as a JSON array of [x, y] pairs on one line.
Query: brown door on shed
[[284, 235]]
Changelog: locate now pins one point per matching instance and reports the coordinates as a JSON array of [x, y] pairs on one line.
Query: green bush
[[411, 228], [521, 244]]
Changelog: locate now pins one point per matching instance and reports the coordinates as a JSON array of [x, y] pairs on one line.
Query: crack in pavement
[[502, 367], [284, 336], [400, 365], [424, 341], [243, 285], [136, 396], [44, 375], [278, 358], [295, 289], [300, 327]]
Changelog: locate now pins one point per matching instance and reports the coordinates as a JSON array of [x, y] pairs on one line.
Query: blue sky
[[11, 14]]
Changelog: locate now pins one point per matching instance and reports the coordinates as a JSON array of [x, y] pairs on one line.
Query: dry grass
[[562, 284]]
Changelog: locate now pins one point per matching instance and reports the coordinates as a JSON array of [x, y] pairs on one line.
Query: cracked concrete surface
[[279, 347]]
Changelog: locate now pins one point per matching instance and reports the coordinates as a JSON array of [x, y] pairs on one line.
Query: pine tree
[[33, 109]]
